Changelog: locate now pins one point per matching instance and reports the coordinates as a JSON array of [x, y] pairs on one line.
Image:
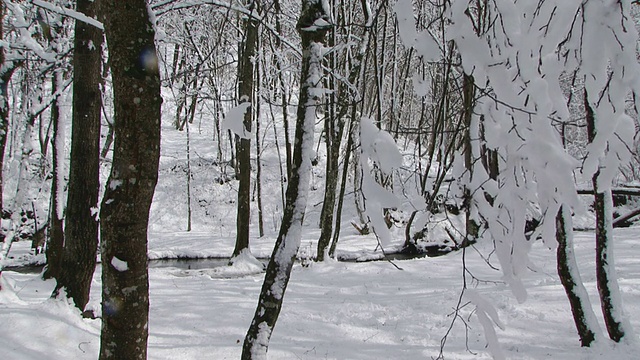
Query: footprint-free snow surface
[[333, 310]]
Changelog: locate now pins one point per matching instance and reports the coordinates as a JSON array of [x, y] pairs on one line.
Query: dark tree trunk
[[333, 139], [81, 227], [468, 104], [243, 145], [343, 188], [124, 214], [188, 176], [256, 342], [605, 270], [581, 309], [258, 159], [56, 235]]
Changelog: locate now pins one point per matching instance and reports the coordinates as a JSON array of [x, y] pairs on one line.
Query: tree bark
[[125, 206], [258, 159], [78, 259], [243, 145], [343, 188], [54, 249], [333, 138], [468, 104], [583, 315], [605, 270], [312, 26]]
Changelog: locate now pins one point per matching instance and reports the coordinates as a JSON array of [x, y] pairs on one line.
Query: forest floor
[[332, 310]]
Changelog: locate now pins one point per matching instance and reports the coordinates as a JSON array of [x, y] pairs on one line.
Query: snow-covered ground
[[334, 310]]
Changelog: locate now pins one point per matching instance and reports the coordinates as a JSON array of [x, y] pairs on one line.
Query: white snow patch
[[234, 120], [119, 265], [115, 183]]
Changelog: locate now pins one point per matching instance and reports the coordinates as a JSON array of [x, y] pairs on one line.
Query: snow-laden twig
[[69, 12]]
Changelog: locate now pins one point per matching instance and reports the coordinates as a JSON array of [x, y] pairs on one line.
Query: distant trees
[[124, 213], [7, 68], [33, 62], [345, 94]]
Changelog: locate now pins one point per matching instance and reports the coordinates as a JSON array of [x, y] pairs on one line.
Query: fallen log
[[617, 222], [614, 191]]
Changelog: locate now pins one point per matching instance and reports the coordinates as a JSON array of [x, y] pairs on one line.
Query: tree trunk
[[583, 315], [243, 145], [81, 226], [343, 188], [125, 206], [55, 243], [608, 290], [258, 159], [468, 104], [79, 253], [357, 180], [334, 129], [333, 139], [188, 176], [256, 342]]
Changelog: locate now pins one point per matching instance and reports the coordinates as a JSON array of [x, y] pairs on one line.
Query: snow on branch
[[69, 12], [25, 37], [487, 316], [378, 146], [516, 61], [421, 41], [167, 6]]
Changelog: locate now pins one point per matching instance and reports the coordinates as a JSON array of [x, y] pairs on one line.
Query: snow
[[487, 316], [119, 265], [335, 310], [234, 120], [70, 13], [422, 41], [372, 310]]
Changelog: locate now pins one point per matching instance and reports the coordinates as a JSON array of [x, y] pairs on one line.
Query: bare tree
[[342, 103], [605, 271], [243, 145], [312, 25], [124, 213], [583, 315], [78, 258]]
